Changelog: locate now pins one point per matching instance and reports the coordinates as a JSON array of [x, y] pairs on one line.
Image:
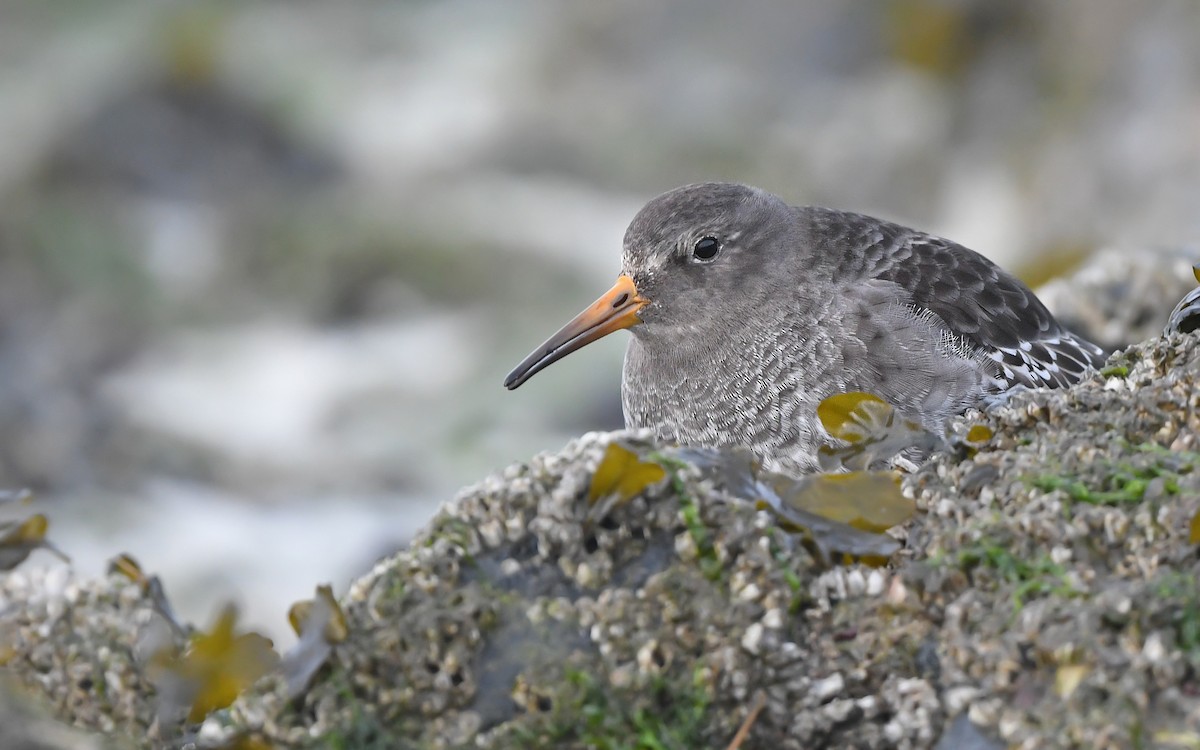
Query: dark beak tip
[[615, 310], [524, 371]]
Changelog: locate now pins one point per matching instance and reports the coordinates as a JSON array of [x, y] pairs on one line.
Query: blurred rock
[[186, 141], [201, 198], [526, 616], [519, 613], [1122, 295], [23, 727], [76, 642], [963, 735]]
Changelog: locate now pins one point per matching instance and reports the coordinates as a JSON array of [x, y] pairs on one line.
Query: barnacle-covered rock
[[1066, 586], [1044, 594], [26, 726], [528, 615], [79, 644]]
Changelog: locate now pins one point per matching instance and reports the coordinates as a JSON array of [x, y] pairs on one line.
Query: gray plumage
[[747, 312], [804, 303]]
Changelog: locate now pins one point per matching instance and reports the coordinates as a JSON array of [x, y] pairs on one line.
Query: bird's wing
[[977, 300], [1186, 315]]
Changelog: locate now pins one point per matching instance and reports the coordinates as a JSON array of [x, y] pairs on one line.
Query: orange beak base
[[616, 309]]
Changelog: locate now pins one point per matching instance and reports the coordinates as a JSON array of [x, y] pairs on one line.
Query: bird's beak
[[616, 309]]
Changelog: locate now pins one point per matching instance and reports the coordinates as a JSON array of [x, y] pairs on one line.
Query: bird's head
[[692, 266]]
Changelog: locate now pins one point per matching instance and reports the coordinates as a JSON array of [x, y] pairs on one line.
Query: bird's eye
[[706, 248]]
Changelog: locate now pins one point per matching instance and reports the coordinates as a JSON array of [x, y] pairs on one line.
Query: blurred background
[[264, 265]]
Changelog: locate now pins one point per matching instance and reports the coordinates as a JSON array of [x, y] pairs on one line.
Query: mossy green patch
[[665, 713], [396, 589], [1118, 489], [455, 530], [690, 511], [1183, 591], [1124, 481], [800, 597], [709, 564], [362, 727], [1030, 577]]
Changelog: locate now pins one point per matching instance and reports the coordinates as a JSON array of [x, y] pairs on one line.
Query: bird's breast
[[742, 395]]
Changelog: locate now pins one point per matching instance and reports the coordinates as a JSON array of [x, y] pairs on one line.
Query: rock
[[76, 642], [963, 735], [568, 628], [24, 727], [1046, 594]]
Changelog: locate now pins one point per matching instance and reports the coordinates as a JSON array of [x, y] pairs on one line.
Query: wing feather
[[990, 309]]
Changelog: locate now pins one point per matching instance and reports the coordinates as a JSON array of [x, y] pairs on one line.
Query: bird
[[1185, 318], [746, 312]]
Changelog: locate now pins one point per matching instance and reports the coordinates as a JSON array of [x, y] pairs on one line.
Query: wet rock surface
[[1046, 596], [75, 645], [24, 726], [233, 235], [1065, 589], [273, 258]]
